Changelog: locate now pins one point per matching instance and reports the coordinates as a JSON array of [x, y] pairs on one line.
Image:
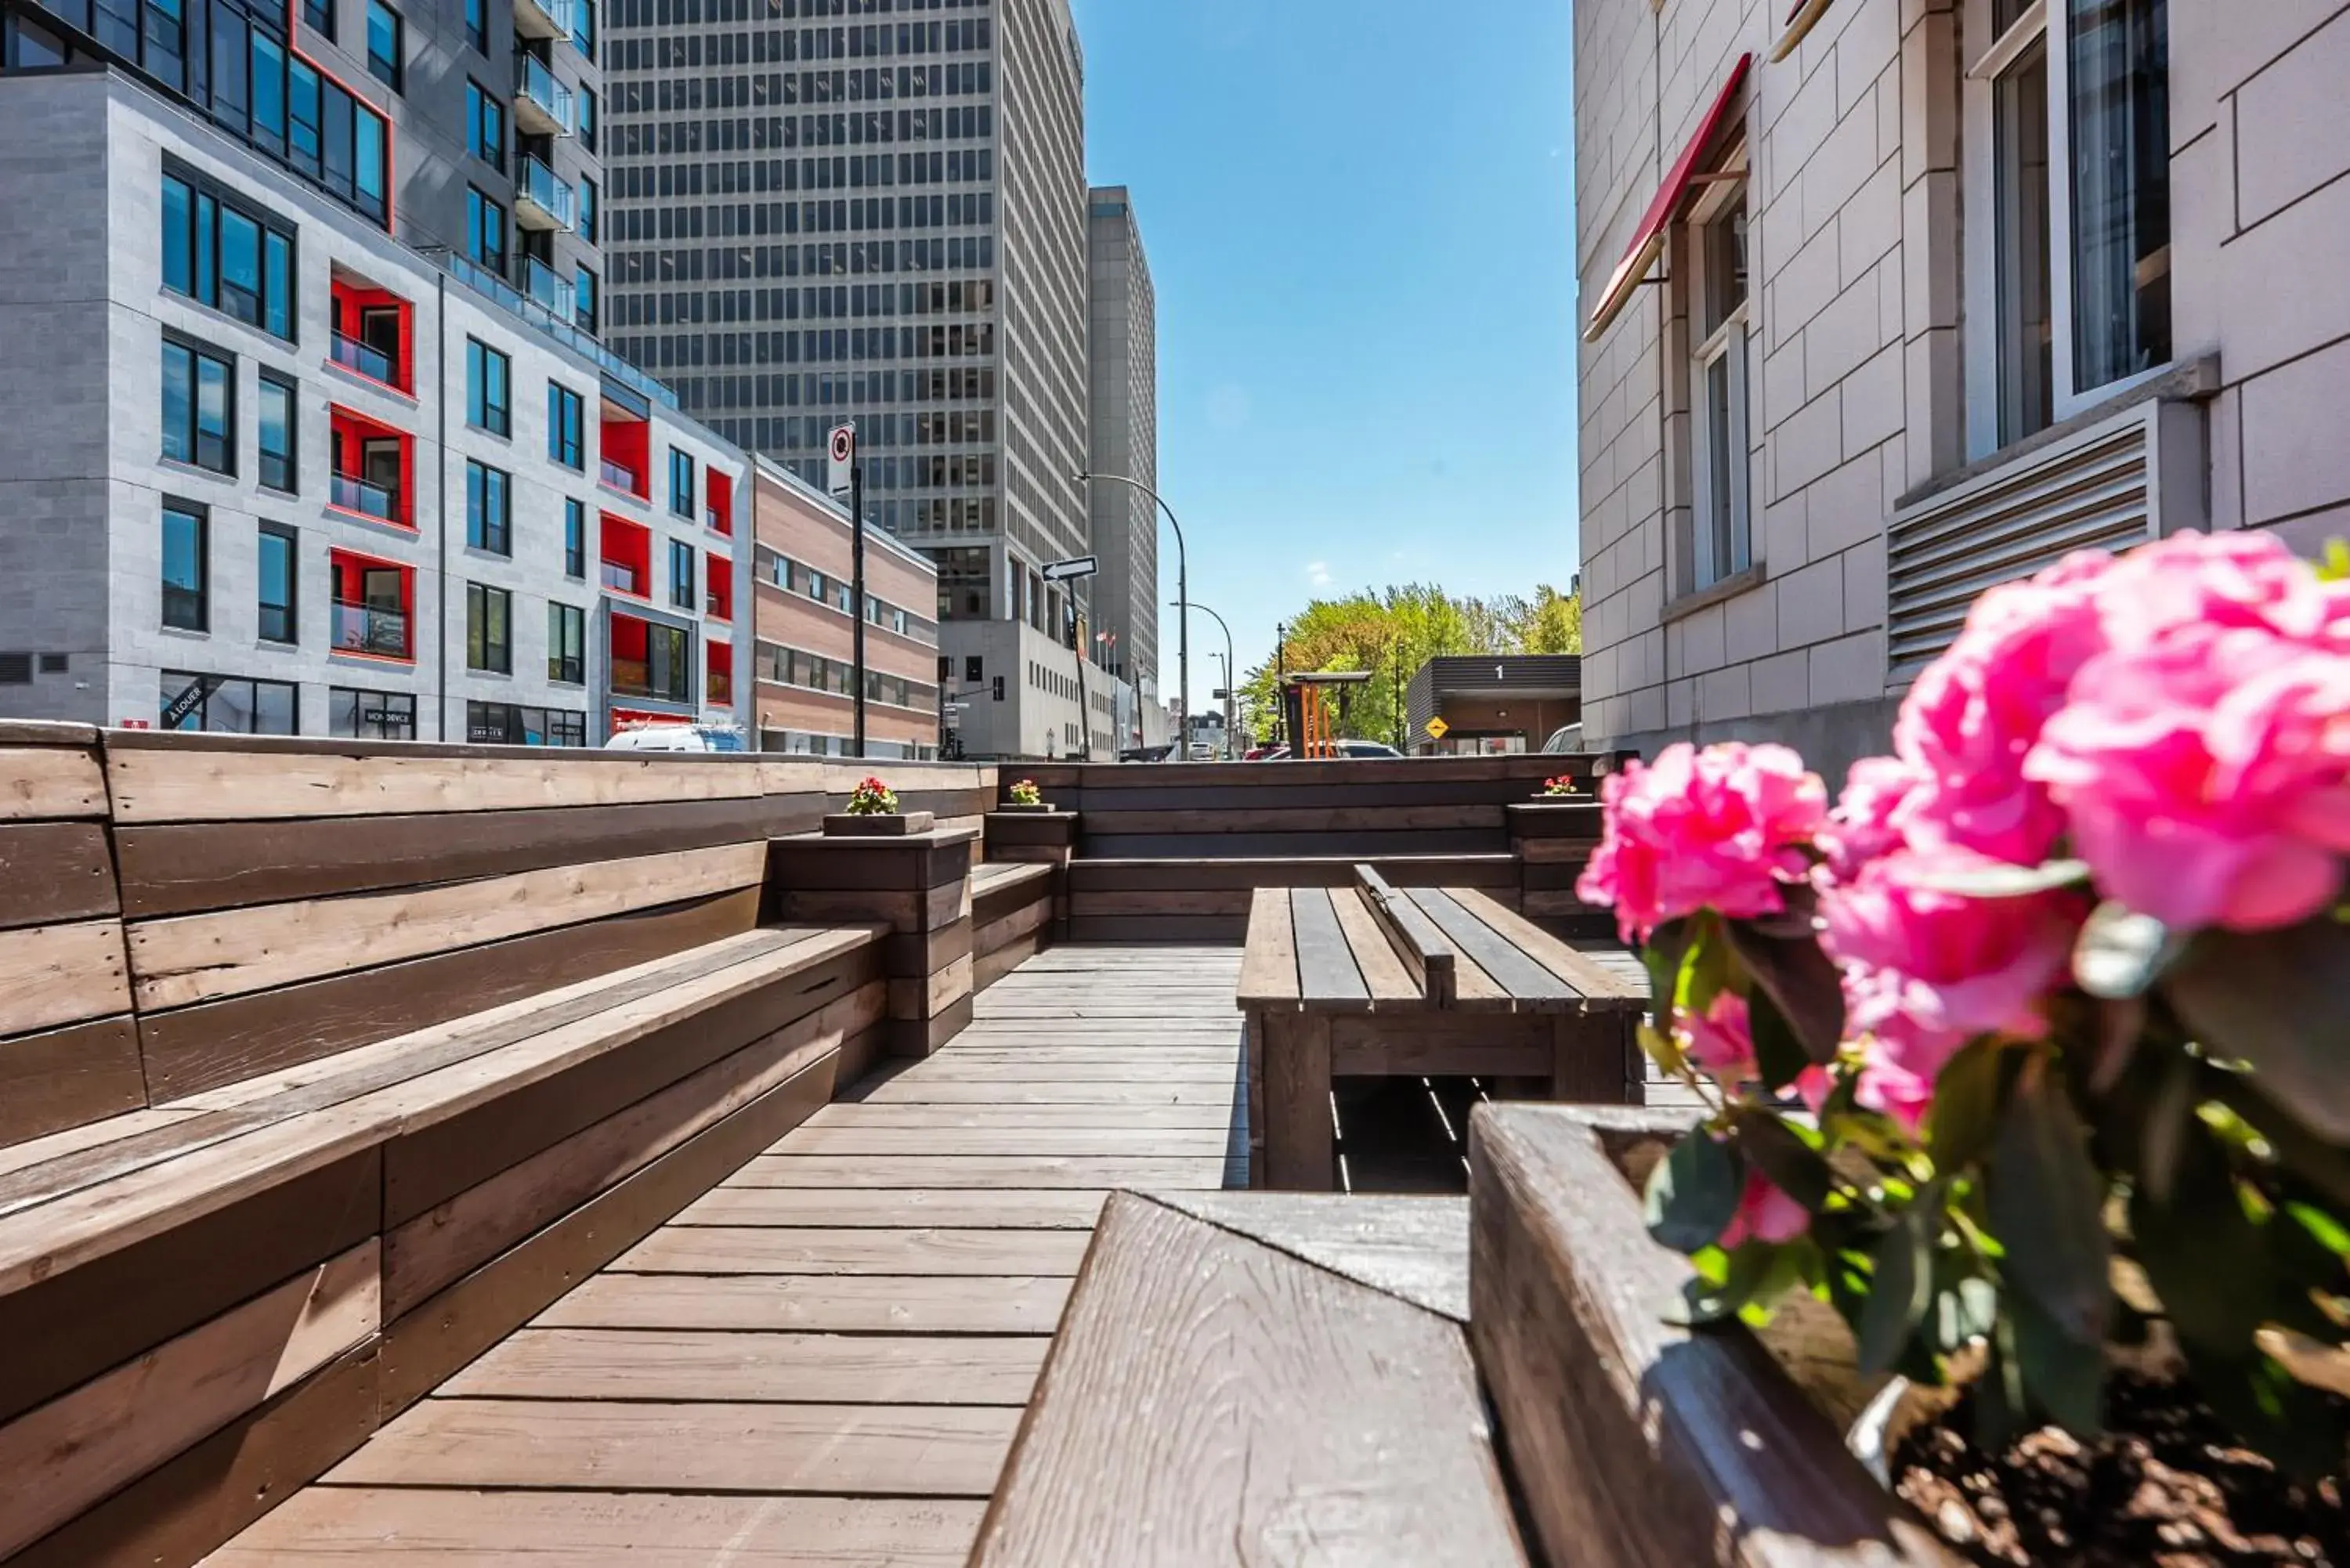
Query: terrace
[[445, 1153]]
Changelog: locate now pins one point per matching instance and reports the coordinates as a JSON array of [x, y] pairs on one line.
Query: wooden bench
[[1374, 981], [1011, 917]]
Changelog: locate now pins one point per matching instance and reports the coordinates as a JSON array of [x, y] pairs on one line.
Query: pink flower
[[2205, 770], [1721, 829], [1974, 713], [1926, 971], [1720, 1040], [2226, 581], [1764, 1214], [1865, 824]]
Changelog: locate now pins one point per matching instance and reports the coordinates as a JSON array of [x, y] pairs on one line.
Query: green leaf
[[2334, 566], [2046, 1205], [1746, 1275], [1777, 1051], [2120, 954], [1993, 881], [2208, 1262], [2279, 1001], [1901, 1286], [2062, 1376], [2294, 1425], [1666, 946], [2169, 1119], [1705, 967], [1693, 1192], [1800, 982], [1965, 1115], [1782, 1153]]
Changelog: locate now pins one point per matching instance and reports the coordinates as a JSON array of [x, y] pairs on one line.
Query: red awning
[[1801, 19], [1649, 243]]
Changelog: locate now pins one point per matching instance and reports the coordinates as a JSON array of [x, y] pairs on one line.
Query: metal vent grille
[[15, 669], [2100, 488], [53, 664]]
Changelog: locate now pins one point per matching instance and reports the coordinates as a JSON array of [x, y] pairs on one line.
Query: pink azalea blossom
[[2205, 771], [1865, 824], [1719, 1041], [1723, 829], [1764, 1214], [2231, 581]]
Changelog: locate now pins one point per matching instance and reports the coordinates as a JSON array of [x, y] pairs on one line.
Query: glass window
[[489, 630], [587, 118], [279, 575], [386, 52], [2118, 81], [575, 538], [240, 266], [681, 574], [485, 125], [1722, 533], [359, 715], [486, 374], [566, 437], [319, 16], [669, 674], [485, 230], [567, 644], [199, 408], [179, 236], [187, 568], [280, 469], [585, 309], [505, 725], [227, 706], [477, 25], [369, 155], [680, 482], [268, 91], [221, 254], [2027, 379], [583, 28], [588, 209], [489, 509], [302, 140]]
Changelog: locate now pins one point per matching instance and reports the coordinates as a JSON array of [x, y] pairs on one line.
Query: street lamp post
[[1182, 592], [1228, 672]]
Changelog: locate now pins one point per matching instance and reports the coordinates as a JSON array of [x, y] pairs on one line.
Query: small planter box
[[898, 824], [1046, 809]]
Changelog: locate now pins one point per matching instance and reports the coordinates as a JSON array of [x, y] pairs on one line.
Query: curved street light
[[1181, 604], [1182, 592]]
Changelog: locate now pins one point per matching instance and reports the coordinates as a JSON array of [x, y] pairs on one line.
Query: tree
[[1550, 622]]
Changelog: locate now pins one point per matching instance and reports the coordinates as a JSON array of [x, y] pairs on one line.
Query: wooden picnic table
[[1375, 981]]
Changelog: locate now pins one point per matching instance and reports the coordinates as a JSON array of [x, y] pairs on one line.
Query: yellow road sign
[[1437, 729]]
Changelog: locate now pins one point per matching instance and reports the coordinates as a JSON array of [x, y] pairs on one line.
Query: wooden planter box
[[896, 825], [1045, 809], [1635, 1442]]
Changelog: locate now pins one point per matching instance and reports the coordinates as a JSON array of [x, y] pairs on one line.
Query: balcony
[[547, 288], [368, 361], [352, 494], [549, 19], [620, 477], [632, 678], [541, 103], [621, 577], [371, 331], [370, 630], [541, 200]]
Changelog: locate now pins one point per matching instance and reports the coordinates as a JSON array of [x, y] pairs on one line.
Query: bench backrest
[[1414, 938]]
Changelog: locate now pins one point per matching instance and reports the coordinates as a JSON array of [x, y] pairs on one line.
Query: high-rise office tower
[[469, 127], [1123, 379], [825, 210]]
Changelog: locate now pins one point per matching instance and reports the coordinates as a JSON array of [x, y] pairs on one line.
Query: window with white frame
[[2068, 223], [1722, 531]]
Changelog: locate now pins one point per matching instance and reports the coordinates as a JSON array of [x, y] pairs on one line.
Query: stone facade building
[[1895, 299]]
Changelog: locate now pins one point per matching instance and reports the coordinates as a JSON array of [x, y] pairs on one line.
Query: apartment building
[[823, 211], [803, 619], [265, 469], [1895, 299], [492, 108], [1122, 378]]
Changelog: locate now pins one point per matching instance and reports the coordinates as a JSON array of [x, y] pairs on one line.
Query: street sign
[[1438, 729], [840, 448], [1081, 566]]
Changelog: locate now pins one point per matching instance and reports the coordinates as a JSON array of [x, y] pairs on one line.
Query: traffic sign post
[[1438, 729], [844, 474], [1076, 566]]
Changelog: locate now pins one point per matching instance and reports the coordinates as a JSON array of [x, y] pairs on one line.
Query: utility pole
[[856, 566]]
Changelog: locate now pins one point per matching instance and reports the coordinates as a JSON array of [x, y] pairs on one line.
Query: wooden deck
[[823, 1360]]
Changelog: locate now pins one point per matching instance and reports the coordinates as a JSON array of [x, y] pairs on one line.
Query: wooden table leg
[[1589, 1065], [1299, 1156]]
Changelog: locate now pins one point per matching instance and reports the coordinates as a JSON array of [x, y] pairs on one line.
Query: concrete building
[[804, 663], [817, 217], [1492, 703], [1953, 287], [464, 125], [1123, 381], [214, 515]]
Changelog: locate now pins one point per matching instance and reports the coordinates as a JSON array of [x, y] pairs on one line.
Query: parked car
[[677, 738], [1358, 750], [1567, 738]]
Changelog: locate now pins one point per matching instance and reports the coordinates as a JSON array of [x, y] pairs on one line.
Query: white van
[[677, 738]]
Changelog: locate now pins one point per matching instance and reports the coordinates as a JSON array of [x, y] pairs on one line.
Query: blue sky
[[1358, 218]]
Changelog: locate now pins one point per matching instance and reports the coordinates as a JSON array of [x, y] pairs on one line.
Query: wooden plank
[[1171, 929], [329, 1527], [893, 1208], [52, 872], [73, 1140], [975, 1096], [983, 1170], [777, 1249], [1411, 937], [1358, 844], [191, 1049], [1526, 981], [426, 1254], [814, 1304], [927, 996], [196, 958], [68, 1077], [833, 1450], [74, 1450], [174, 1514], [1332, 818], [1126, 1068], [1246, 1358], [181, 868], [61, 974], [1415, 1248], [1632, 1439], [1095, 873], [1589, 977], [88, 1320], [1298, 1132], [1092, 905], [986, 1140], [1391, 985], [49, 781], [762, 1368], [184, 784], [450, 1329], [1127, 1114], [1327, 974], [1497, 1047]]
